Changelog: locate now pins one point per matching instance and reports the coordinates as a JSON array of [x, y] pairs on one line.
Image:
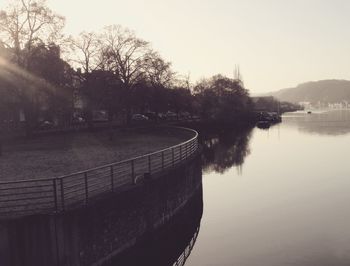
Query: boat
[[263, 124]]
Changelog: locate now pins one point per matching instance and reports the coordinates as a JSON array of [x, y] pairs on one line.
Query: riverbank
[[60, 154]]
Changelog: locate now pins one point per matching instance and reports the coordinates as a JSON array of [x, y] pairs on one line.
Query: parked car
[[78, 120], [151, 116], [99, 116], [195, 117], [46, 124], [139, 117], [171, 115], [162, 116], [185, 115]]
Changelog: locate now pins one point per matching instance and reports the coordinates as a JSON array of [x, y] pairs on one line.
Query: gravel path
[[56, 155]]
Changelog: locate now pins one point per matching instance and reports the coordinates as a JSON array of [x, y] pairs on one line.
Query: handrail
[[81, 187], [181, 260]]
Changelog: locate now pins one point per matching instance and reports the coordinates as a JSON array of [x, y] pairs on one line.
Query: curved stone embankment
[[95, 234], [170, 244], [55, 195]]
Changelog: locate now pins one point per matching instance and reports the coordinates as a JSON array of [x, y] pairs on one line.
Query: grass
[[56, 155]]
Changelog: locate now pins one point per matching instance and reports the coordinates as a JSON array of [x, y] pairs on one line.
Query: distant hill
[[326, 91]]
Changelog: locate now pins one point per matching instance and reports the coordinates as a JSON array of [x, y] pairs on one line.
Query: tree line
[[44, 73]]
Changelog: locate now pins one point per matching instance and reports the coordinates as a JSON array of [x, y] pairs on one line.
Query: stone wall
[[98, 232]]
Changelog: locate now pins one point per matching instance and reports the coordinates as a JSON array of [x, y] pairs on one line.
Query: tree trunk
[[128, 115], [31, 118], [110, 121], [89, 118], [1, 139]]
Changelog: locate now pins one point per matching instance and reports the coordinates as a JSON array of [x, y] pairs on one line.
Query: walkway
[[29, 197]]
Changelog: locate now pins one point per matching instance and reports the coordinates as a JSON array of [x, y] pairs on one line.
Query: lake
[[278, 196]]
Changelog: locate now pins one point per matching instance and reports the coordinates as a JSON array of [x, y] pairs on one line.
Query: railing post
[[55, 194], [132, 172], [162, 159], [86, 188], [62, 194], [149, 164], [186, 148], [180, 152], [112, 178], [172, 154]]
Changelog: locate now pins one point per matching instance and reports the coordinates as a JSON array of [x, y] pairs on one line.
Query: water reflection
[[225, 149], [335, 122], [290, 207], [170, 245]]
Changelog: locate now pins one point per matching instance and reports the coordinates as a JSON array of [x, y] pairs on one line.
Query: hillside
[[327, 91]]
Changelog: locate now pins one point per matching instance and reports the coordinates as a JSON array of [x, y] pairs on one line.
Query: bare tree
[[25, 25], [183, 81], [26, 21], [127, 57], [159, 72], [161, 79], [86, 51], [125, 54]]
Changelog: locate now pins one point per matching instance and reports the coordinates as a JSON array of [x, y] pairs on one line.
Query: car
[[195, 117], [78, 120], [162, 116], [46, 124], [139, 117], [185, 115], [151, 116], [171, 115], [99, 116]]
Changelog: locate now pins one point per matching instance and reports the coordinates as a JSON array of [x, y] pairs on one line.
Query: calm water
[[279, 196]]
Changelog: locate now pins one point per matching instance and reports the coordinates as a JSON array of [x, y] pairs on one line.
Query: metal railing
[[26, 197], [187, 252]]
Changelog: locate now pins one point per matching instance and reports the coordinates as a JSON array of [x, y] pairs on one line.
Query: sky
[[277, 43]]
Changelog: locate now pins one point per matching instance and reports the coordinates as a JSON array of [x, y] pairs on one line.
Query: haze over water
[[287, 204]]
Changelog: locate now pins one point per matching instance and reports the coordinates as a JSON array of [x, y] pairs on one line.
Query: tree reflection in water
[[225, 149]]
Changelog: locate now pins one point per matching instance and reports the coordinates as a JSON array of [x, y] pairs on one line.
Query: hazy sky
[[277, 43]]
